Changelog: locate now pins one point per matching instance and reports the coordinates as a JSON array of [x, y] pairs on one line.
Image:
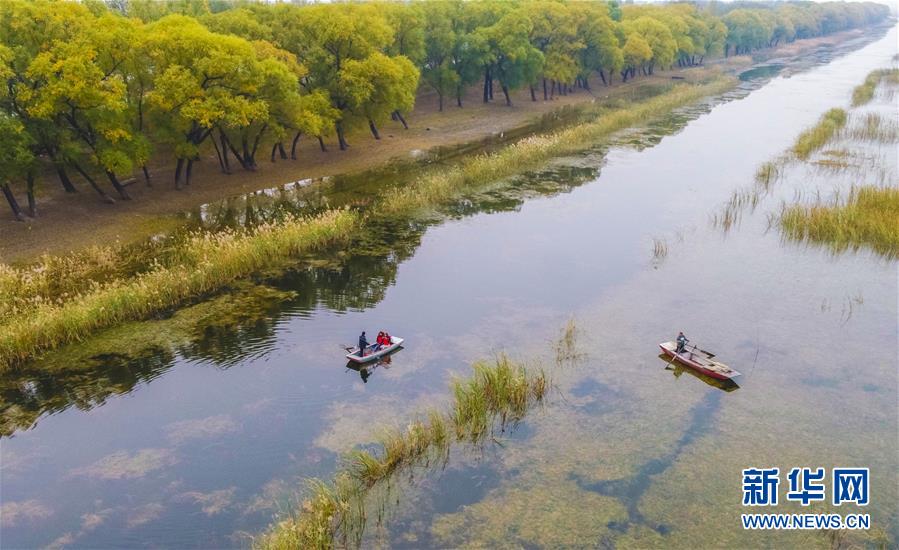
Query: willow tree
[[204, 81], [511, 58], [441, 30], [330, 40], [659, 38], [554, 32], [601, 52]]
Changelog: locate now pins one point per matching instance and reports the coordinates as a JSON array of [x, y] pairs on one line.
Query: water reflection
[[366, 370], [678, 370], [30, 393]]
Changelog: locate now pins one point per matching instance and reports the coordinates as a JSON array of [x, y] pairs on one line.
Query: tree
[[204, 80], [511, 58], [441, 40]]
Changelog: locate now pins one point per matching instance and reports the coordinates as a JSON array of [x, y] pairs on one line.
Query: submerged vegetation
[[205, 263], [864, 92], [817, 136], [868, 217], [496, 396]]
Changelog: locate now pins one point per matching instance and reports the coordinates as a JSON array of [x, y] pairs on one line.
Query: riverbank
[[69, 223]]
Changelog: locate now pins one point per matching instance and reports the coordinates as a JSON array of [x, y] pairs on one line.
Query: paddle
[[675, 356]]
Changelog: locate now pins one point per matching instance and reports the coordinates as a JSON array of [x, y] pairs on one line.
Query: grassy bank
[[498, 393], [868, 217], [863, 93], [818, 135], [206, 263], [60, 300], [440, 186]]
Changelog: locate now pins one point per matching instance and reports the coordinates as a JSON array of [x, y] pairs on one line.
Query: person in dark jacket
[[681, 342], [363, 343]]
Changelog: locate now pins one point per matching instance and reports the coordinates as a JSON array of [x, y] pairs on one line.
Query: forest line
[[95, 89]]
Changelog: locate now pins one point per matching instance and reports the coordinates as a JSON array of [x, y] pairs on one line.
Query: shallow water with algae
[[197, 428]]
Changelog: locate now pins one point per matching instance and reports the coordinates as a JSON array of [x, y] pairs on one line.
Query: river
[[202, 442]]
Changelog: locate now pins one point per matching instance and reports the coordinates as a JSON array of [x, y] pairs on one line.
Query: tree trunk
[[506, 93], [255, 148], [533, 93], [223, 140], [178, 167], [13, 204], [373, 128], [440, 102], [240, 158], [64, 179], [247, 156], [187, 173], [223, 161], [402, 120], [321, 144], [29, 192], [293, 146], [281, 152], [491, 87], [459, 96], [545, 93], [147, 175], [341, 139], [486, 86], [103, 196], [274, 150], [123, 193]]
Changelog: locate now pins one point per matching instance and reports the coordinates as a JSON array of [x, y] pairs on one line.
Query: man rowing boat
[[363, 343], [681, 342]]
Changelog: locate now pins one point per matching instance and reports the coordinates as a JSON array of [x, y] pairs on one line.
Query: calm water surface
[[197, 430]]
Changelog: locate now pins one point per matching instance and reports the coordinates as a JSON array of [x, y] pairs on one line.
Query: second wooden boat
[[700, 360]]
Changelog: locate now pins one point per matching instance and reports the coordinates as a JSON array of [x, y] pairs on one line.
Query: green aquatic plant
[[868, 217], [873, 127], [207, 263], [863, 93], [768, 173], [498, 393], [567, 350], [818, 135]]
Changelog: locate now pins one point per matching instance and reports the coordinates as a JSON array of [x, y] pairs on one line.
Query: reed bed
[[874, 128], [498, 393], [440, 186], [206, 263], [869, 217], [864, 93], [817, 136]]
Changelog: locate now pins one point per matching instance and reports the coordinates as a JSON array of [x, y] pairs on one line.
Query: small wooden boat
[[700, 360], [370, 354]]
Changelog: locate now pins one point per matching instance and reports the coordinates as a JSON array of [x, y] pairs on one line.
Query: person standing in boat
[[681, 342], [363, 343]]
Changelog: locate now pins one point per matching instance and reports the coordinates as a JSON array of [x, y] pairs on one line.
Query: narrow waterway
[[203, 441]]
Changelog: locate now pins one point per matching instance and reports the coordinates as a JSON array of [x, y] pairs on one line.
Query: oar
[[675, 355], [673, 358]]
